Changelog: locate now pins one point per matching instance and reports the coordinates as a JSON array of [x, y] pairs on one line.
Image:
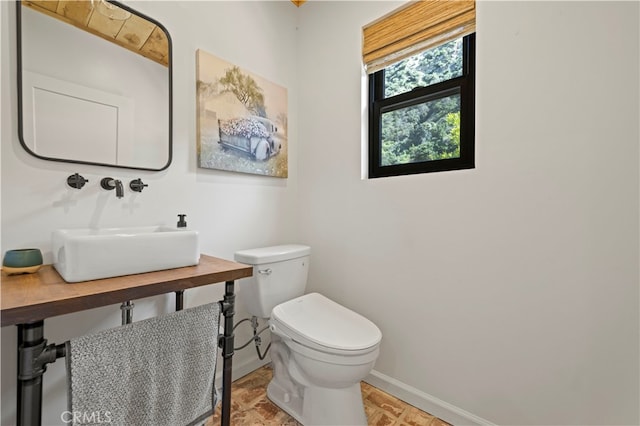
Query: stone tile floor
[[251, 407]]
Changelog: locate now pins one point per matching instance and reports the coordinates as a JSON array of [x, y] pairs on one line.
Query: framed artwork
[[241, 119]]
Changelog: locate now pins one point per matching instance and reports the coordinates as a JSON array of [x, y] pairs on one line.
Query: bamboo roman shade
[[415, 27]]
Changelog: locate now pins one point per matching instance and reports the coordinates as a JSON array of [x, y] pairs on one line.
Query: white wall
[[231, 211], [511, 290]]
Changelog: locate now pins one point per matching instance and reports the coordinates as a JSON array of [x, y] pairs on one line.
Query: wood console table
[[27, 300]]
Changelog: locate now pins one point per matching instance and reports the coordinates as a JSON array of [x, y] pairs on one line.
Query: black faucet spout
[[119, 188]]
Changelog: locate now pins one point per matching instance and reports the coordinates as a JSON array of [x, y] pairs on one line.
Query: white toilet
[[320, 350]]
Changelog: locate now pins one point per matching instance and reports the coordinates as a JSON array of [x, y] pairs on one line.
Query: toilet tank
[[279, 274]]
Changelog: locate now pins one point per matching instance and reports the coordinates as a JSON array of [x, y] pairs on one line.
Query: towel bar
[[34, 354]]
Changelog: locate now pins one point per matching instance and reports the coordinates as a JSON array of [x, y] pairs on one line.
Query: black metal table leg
[[29, 408], [33, 357], [228, 309], [179, 300]]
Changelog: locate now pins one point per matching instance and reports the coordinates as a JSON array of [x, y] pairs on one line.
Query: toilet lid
[[324, 322]]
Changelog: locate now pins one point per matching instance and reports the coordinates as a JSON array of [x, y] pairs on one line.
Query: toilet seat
[[319, 323]]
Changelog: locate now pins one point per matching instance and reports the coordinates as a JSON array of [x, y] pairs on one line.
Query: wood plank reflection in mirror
[[134, 33]]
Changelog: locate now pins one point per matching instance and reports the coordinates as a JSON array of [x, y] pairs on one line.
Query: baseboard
[[425, 402]]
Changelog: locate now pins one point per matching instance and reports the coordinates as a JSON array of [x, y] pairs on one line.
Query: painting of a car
[[251, 135], [242, 119]]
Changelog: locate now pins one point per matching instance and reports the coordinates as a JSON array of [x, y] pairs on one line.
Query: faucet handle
[[137, 185], [76, 181]]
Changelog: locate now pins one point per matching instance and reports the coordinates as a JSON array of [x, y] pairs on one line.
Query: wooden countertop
[[33, 297]]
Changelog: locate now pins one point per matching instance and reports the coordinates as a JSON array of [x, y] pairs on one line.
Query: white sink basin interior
[[90, 254]]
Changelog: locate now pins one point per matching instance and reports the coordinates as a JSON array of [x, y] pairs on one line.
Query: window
[[421, 112], [421, 64]]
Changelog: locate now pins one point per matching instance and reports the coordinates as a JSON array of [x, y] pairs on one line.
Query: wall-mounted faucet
[[111, 183]]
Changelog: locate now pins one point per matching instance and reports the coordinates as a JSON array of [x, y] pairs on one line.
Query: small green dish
[[22, 261]]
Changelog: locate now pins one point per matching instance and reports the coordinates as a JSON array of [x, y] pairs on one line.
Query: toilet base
[[288, 402], [317, 388], [324, 406]]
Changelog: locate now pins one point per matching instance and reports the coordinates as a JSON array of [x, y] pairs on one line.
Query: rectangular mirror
[[94, 84]]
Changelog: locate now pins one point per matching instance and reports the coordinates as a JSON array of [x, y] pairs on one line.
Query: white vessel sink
[[90, 254]]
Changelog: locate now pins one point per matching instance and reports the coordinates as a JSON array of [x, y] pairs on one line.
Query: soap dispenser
[[181, 222]]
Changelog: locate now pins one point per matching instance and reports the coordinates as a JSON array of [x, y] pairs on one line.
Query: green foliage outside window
[[432, 66], [424, 132], [427, 131]]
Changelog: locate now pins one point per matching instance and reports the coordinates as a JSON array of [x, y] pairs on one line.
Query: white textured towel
[[156, 372]]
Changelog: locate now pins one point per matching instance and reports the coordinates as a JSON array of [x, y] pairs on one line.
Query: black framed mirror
[[94, 84]]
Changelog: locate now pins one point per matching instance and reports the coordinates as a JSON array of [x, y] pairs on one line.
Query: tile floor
[[250, 406]]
